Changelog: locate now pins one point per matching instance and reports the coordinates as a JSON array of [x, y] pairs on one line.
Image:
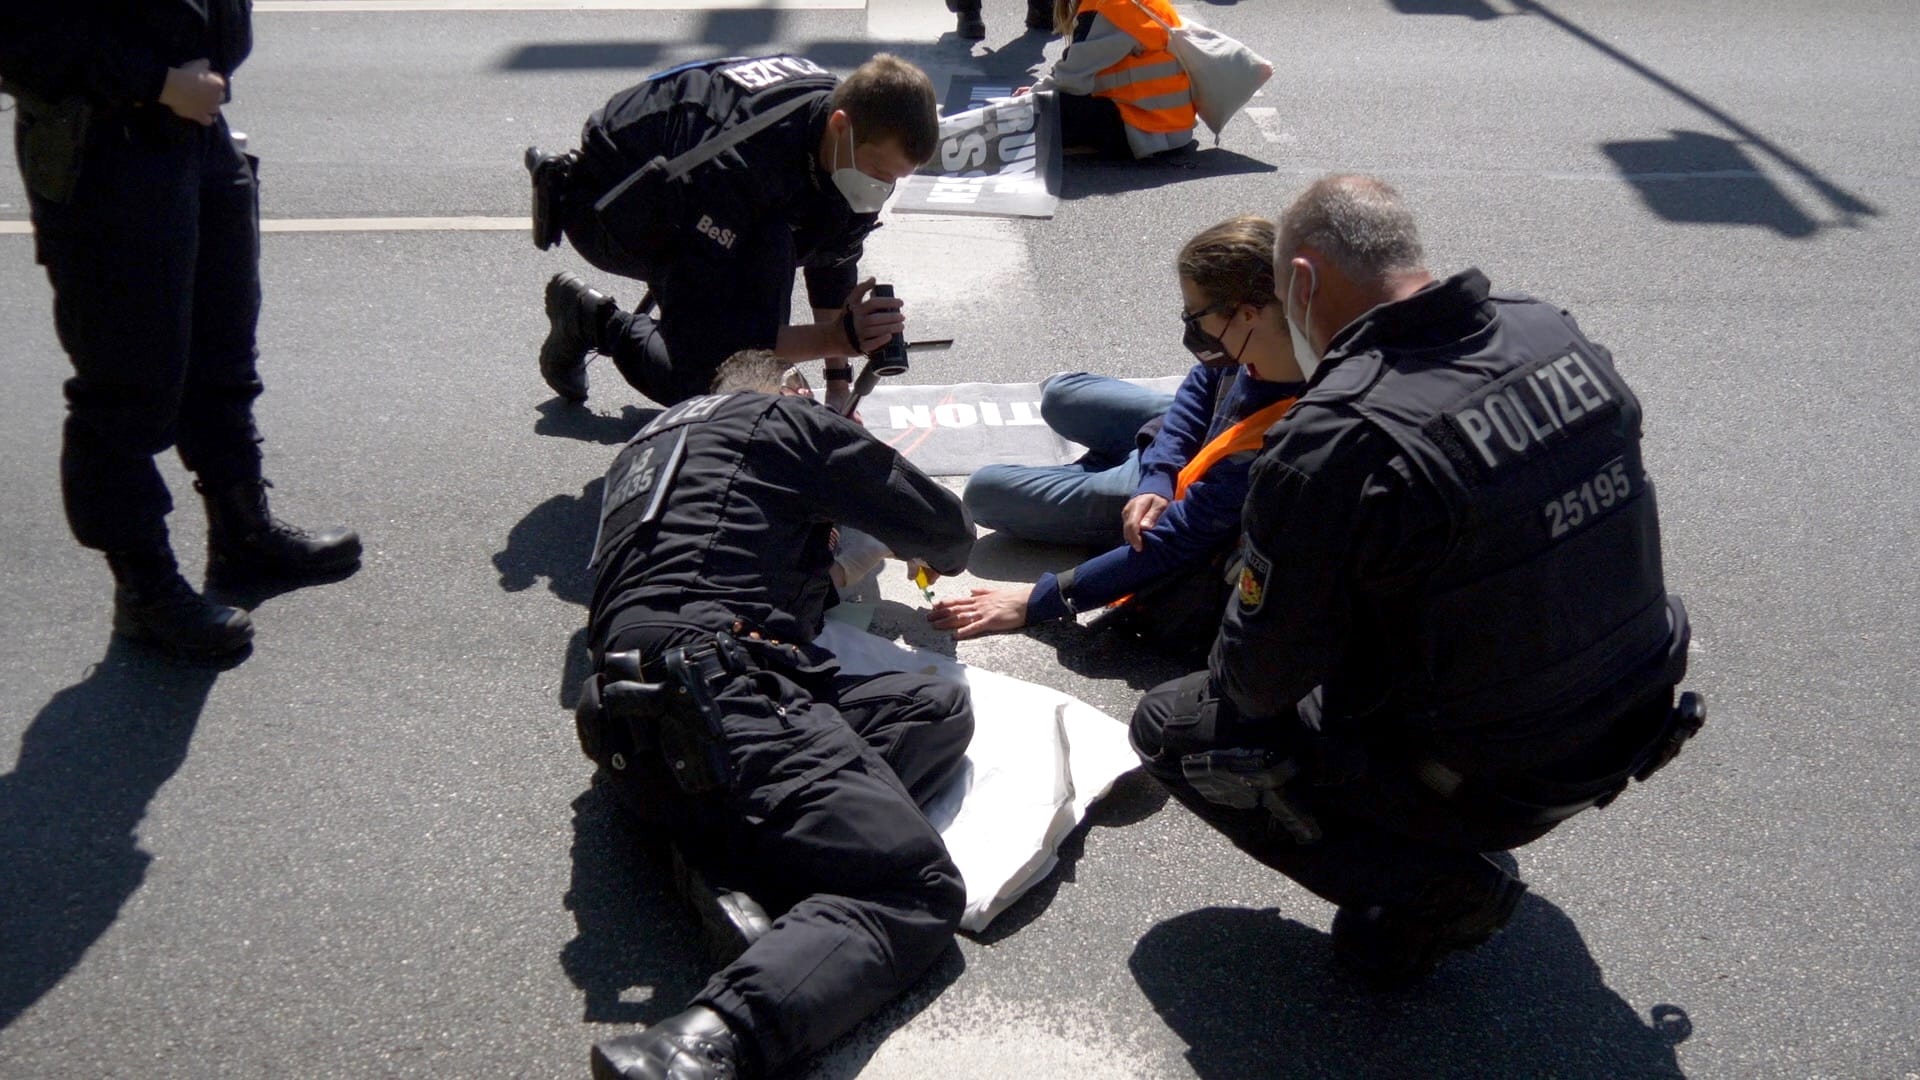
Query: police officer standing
[[1450, 631], [775, 776], [146, 216], [712, 182]]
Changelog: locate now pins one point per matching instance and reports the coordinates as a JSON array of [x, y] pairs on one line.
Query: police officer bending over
[[793, 789], [711, 182], [1450, 631], [146, 216]]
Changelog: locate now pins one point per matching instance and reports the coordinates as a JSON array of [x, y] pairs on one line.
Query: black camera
[[890, 359]]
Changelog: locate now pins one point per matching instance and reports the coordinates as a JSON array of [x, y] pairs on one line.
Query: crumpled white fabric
[[1038, 759]]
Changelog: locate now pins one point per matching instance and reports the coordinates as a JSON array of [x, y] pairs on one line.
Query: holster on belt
[[53, 141], [1243, 778], [676, 717], [551, 174]]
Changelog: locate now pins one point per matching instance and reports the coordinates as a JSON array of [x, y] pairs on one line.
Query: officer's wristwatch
[[837, 374]]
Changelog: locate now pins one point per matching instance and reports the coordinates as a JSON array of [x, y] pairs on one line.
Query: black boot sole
[[132, 629], [241, 580]]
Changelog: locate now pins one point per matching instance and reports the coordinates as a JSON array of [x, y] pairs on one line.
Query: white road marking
[[334, 6], [908, 20], [1268, 121]]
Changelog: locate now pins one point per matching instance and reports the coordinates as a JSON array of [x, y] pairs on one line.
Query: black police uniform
[[718, 245], [148, 226], [1450, 617], [719, 512]]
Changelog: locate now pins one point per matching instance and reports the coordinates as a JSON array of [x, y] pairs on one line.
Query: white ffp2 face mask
[[863, 193], [1304, 353]]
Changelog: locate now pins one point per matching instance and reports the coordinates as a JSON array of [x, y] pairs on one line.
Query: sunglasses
[[1192, 318]]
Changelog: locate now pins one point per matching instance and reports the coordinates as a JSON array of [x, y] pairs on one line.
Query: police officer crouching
[[712, 181], [1450, 632], [787, 788]]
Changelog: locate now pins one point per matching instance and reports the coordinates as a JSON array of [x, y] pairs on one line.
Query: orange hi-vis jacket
[[1152, 90]]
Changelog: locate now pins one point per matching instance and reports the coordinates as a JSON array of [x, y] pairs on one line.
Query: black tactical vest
[[1551, 588], [688, 525]]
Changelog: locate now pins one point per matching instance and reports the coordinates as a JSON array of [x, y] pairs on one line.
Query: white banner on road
[[953, 430], [998, 156]]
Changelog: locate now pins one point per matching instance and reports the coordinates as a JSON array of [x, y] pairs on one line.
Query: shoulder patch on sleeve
[[1255, 570]]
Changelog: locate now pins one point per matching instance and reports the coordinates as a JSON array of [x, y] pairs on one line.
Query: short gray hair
[[750, 369], [1359, 222]]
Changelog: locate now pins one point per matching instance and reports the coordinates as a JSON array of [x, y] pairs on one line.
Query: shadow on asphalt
[[1095, 652], [1091, 176], [1473, 9], [552, 542], [636, 952], [1694, 178], [90, 762], [560, 418], [1255, 994], [839, 53], [1005, 557]]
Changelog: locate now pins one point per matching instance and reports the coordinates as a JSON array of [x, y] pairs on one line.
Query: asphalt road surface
[[372, 849]]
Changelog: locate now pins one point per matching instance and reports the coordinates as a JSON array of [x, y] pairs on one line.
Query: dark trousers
[[155, 265], [714, 300], [824, 829], [1386, 837]]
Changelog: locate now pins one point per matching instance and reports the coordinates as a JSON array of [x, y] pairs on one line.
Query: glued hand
[[1139, 515], [194, 92], [984, 611]]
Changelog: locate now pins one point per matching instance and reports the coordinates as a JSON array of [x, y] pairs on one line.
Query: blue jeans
[[1078, 503]]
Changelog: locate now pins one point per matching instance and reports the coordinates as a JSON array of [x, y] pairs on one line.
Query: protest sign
[[998, 156]]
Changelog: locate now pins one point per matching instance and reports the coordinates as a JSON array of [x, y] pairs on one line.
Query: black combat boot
[[153, 603], [247, 545], [694, 1045], [730, 920], [1040, 15], [1394, 946], [967, 23], [576, 315]]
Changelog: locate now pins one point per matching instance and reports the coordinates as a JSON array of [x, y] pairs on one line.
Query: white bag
[[1224, 72]]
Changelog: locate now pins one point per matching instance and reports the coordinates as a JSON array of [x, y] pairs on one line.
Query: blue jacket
[[1190, 529]]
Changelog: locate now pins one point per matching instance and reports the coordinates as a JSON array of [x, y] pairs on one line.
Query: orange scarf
[[1245, 435]]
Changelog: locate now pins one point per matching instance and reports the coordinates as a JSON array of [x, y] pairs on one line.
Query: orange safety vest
[[1152, 89], [1248, 434]]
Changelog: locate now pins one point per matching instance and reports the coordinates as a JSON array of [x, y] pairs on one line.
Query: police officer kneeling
[[1450, 631], [773, 774], [712, 182]]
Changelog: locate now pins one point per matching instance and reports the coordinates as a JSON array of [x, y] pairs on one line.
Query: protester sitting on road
[[712, 182], [788, 789], [1121, 92], [1169, 510]]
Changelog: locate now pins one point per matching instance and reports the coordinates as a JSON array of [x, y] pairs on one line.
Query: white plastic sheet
[[1039, 758]]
